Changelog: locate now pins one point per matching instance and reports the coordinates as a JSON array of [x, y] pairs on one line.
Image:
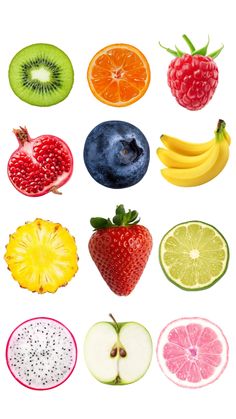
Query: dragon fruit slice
[[41, 353]]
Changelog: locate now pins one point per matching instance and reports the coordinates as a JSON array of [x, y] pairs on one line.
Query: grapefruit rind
[[204, 323], [137, 91], [196, 286]]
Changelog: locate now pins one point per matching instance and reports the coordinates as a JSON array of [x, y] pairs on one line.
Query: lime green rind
[[31, 52], [197, 288]]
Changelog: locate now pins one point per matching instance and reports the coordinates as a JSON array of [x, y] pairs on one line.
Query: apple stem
[[114, 320]]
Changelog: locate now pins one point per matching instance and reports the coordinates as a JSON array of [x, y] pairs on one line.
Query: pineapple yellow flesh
[[42, 256]]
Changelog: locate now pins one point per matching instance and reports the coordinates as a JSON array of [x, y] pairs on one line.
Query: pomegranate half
[[39, 165]]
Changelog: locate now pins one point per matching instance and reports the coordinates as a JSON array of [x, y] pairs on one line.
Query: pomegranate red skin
[[121, 254], [193, 80], [39, 165]]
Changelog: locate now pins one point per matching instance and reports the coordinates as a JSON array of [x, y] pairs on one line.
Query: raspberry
[[193, 78]]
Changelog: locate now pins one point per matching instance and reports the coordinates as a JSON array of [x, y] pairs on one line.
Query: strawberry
[[193, 78], [120, 249]]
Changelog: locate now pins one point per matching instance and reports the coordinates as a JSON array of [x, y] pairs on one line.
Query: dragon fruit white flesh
[[41, 353]]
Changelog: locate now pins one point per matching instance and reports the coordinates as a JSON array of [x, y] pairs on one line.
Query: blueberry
[[116, 154]]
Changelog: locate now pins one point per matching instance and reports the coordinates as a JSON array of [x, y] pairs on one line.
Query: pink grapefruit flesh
[[192, 352]]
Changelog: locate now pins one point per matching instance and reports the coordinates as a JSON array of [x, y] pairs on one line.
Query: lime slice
[[194, 255]]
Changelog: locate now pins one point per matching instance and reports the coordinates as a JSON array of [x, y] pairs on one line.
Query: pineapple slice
[[42, 256]]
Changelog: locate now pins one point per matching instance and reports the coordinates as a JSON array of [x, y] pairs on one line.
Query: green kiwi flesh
[[41, 74]]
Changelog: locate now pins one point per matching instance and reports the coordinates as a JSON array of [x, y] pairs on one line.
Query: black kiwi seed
[[41, 74]]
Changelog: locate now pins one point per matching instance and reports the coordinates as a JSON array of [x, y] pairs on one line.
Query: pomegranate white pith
[[192, 352], [39, 165], [41, 353]]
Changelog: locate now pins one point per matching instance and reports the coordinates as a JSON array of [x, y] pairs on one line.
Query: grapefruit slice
[[118, 75], [192, 352]]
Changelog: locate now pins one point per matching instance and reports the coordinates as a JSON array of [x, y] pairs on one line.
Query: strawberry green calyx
[[193, 51], [121, 218]]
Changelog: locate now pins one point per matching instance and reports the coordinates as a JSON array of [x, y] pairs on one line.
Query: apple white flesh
[[118, 353]]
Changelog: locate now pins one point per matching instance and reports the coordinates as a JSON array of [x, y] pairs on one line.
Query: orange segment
[[118, 75]]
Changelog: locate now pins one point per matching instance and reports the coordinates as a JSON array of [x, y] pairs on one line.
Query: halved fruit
[[41, 75], [192, 352], [118, 75], [41, 353], [42, 256], [194, 255], [118, 353]]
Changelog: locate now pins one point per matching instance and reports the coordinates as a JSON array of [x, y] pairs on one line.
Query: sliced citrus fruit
[[194, 255], [118, 75], [192, 352]]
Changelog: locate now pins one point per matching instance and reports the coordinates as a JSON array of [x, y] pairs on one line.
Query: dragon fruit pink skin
[[41, 353]]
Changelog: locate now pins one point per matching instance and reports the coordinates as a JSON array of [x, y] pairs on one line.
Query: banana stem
[[221, 125], [219, 133]]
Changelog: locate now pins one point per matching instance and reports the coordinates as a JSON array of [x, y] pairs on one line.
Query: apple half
[[118, 353]]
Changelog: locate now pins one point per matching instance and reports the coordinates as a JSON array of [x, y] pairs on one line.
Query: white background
[[81, 30]]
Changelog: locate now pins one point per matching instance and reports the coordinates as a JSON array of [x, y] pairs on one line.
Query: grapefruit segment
[[172, 351], [174, 364], [206, 370], [183, 372], [194, 375], [214, 347], [118, 75], [192, 352], [194, 331], [207, 336], [213, 360], [179, 336]]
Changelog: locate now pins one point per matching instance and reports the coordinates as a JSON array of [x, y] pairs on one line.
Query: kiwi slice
[[41, 74]]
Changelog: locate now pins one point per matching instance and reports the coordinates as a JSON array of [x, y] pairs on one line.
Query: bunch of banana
[[192, 164]]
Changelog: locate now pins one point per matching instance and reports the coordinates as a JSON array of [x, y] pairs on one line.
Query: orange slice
[[118, 75]]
